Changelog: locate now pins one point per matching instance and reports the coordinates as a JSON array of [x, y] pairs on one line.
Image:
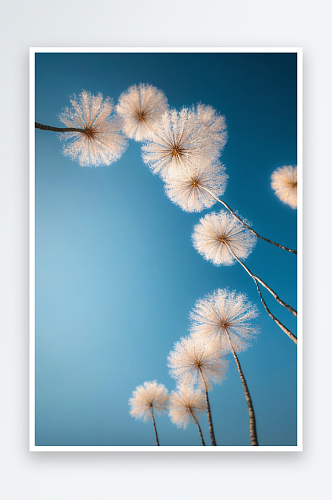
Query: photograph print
[[164, 275]]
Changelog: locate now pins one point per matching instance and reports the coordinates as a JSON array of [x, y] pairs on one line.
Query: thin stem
[[154, 426], [246, 225], [57, 129], [256, 278], [208, 410], [252, 418], [284, 329], [290, 335], [199, 427]]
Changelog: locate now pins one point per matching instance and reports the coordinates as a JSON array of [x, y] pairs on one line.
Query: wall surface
[[147, 23]]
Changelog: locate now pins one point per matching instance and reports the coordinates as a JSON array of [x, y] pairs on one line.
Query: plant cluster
[[184, 147]]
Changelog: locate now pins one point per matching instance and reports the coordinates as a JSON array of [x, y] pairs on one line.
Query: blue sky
[[116, 272]]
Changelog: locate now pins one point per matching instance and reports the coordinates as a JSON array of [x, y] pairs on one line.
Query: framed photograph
[[166, 249]]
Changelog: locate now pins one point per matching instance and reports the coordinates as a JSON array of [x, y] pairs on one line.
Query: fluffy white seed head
[[180, 141], [140, 106], [185, 405], [147, 398], [190, 189], [213, 122], [217, 233], [194, 359], [101, 141], [222, 314], [284, 183]]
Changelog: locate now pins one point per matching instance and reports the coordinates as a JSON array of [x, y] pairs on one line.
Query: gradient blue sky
[[116, 272]]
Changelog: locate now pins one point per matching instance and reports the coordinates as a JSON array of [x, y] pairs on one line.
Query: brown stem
[[208, 410], [199, 427], [256, 278], [252, 419], [284, 329], [154, 426], [57, 129], [246, 225]]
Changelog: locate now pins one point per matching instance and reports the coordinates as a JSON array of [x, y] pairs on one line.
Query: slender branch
[[208, 409], [154, 426], [246, 225], [256, 278], [252, 418], [57, 129], [284, 329], [199, 427], [290, 335]]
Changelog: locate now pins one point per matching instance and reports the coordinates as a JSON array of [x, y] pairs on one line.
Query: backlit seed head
[[146, 398], [140, 106], [100, 142], [225, 315], [217, 235], [284, 183]]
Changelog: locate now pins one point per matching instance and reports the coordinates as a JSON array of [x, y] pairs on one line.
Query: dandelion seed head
[[101, 141], [140, 106], [284, 183], [217, 233], [222, 314], [185, 405], [146, 398], [190, 188], [180, 141], [194, 357], [214, 124]]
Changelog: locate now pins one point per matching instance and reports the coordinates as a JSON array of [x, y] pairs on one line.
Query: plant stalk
[[256, 278], [252, 418], [155, 428], [208, 409], [246, 225], [57, 129], [199, 428]]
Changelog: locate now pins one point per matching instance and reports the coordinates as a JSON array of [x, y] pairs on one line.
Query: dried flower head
[[223, 315], [185, 405], [284, 183], [190, 189], [213, 122], [195, 359], [180, 141], [140, 107], [147, 398], [100, 142], [218, 233]]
